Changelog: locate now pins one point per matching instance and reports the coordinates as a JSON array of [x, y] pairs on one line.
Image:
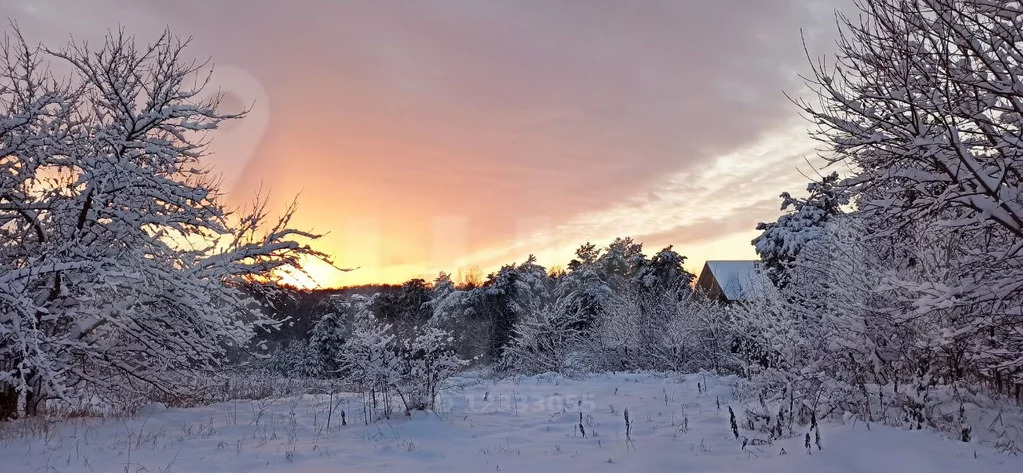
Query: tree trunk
[[8, 395], [36, 398], [8, 402]]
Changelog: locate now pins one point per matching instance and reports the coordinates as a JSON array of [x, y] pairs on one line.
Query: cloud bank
[[433, 134]]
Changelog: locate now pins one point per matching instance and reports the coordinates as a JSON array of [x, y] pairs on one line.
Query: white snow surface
[[526, 424]]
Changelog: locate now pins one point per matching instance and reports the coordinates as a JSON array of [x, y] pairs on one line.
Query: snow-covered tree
[[506, 296], [405, 308], [596, 275], [442, 286], [293, 359], [663, 272], [456, 311], [585, 255], [781, 241], [370, 360], [326, 341], [783, 334], [119, 263], [922, 104], [619, 261]]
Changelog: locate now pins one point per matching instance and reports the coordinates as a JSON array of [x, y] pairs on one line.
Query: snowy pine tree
[[781, 241]]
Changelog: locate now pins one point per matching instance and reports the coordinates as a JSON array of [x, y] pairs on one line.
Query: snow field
[[526, 424]]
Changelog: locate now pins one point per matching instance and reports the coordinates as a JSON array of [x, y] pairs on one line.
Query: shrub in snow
[[672, 331], [369, 360], [613, 309], [385, 368], [427, 361], [545, 340], [293, 358], [616, 309], [846, 336]]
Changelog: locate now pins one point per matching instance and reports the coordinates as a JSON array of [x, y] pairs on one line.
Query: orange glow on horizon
[[321, 275]]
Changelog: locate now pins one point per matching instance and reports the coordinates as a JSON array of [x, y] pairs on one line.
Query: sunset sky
[[439, 135]]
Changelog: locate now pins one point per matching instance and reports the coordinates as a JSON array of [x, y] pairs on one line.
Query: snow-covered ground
[[524, 424]]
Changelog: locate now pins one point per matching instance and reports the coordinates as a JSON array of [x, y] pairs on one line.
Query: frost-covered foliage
[[506, 297], [785, 336], [670, 331], [427, 361], [119, 264], [848, 336], [405, 308], [325, 342], [781, 241], [385, 357], [370, 360], [923, 106], [616, 309], [546, 340], [384, 367], [294, 358], [483, 318], [907, 309]]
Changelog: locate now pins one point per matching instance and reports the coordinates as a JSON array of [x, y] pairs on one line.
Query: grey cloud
[[510, 108]]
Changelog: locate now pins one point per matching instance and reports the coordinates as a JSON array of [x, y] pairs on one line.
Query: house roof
[[730, 280]]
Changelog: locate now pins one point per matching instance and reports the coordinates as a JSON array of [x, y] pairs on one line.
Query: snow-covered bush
[[385, 368], [426, 362], [294, 358], [779, 354], [667, 331], [674, 331], [616, 309], [369, 359], [846, 336], [546, 340]]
